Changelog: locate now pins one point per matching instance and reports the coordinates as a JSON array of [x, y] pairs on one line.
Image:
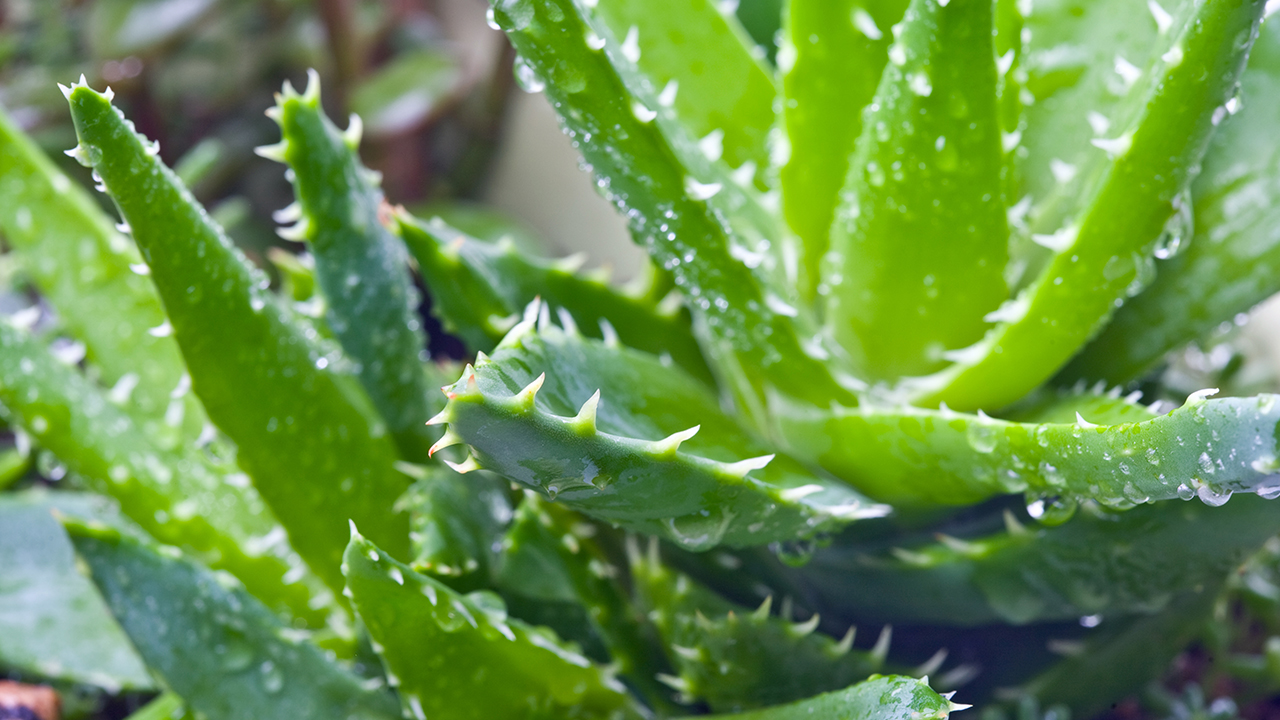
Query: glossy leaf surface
[[52, 621], [305, 432], [678, 204], [477, 663], [1233, 260], [736, 659], [647, 471], [361, 266], [1098, 562], [1105, 254], [181, 498], [222, 651], [912, 456], [920, 239], [889, 697], [480, 289], [85, 268], [722, 91], [836, 51]]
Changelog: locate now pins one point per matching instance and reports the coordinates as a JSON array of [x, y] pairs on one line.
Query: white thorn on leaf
[[742, 467], [465, 466], [586, 417], [666, 448]]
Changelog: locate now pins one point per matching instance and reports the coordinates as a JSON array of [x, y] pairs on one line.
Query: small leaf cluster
[[908, 288]]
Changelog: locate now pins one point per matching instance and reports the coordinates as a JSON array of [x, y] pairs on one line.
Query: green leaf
[[1099, 562], [1081, 60], [891, 697], [477, 664], [166, 706], [737, 659], [1233, 261], [621, 437], [406, 92], [912, 456], [182, 498], [53, 623], [721, 91], [834, 53], [555, 572], [724, 250], [453, 522], [920, 238], [304, 431], [361, 266], [217, 647], [1105, 253], [84, 268], [1124, 656], [479, 290]]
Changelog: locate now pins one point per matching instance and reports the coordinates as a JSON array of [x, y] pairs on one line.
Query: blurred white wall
[[536, 179]]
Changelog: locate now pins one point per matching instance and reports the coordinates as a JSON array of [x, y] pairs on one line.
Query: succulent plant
[[886, 369]]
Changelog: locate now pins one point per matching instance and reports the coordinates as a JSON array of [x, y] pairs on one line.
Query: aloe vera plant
[[908, 288]]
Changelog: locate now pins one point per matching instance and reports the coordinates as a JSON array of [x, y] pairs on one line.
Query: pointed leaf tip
[[585, 420]]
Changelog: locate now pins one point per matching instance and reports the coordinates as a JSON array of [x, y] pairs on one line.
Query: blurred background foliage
[[451, 134]]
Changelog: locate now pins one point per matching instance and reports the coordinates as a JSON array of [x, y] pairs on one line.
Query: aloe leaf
[[88, 271], [480, 289], [1084, 65], [304, 430], [166, 706], [834, 53], [678, 205], [721, 90], [216, 646], [680, 469], [912, 456], [1098, 562], [555, 572], [890, 697], [736, 659], [183, 499], [1101, 670], [477, 663], [1233, 260], [453, 521], [1105, 253], [360, 265], [52, 622], [920, 238]]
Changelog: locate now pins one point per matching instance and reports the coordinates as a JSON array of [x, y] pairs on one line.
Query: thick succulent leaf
[[453, 521], [1126, 654], [455, 656], [1233, 261], [920, 237], [834, 52], [912, 456], [361, 267], [1099, 562], [722, 91], [85, 269], [678, 204], [304, 430], [480, 288], [1084, 62], [181, 498], [1104, 254], [52, 621], [891, 697], [554, 572], [222, 651], [736, 659], [620, 436]]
